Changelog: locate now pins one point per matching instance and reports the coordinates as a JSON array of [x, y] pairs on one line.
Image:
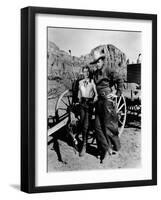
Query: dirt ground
[[129, 155], [63, 157]]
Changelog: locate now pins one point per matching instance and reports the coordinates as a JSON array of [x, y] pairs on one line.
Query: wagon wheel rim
[[121, 112], [63, 105]]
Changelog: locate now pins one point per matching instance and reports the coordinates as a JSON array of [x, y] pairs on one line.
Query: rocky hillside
[[60, 62], [115, 58], [63, 67]]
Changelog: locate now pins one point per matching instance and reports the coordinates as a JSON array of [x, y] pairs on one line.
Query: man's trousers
[[106, 126]]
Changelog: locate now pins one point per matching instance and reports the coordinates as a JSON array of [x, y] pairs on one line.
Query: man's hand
[[118, 93], [111, 96]]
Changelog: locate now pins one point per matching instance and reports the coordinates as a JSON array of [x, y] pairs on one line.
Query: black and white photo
[[88, 99], [94, 99]]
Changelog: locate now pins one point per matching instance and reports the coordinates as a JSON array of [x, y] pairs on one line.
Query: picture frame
[[29, 106]]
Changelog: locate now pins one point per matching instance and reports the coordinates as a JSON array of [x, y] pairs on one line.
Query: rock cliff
[[64, 67]]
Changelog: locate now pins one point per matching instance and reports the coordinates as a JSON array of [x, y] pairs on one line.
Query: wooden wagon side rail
[[57, 126]]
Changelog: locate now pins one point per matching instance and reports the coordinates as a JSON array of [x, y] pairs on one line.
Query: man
[[106, 119]]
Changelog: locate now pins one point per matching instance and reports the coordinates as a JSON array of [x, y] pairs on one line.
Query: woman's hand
[[79, 100], [95, 98]]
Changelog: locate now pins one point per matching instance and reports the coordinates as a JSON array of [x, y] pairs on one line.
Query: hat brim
[[96, 60]]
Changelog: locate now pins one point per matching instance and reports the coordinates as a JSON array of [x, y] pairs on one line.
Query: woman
[[87, 94]]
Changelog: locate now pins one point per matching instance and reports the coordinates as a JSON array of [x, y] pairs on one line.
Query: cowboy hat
[[97, 56]]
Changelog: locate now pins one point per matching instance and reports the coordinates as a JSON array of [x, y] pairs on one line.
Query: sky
[[82, 41]]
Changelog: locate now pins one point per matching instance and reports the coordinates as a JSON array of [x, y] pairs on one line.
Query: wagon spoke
[[69, 100], [121, 107], [119, 102], [120, 122], [62, 108], [121, 113], [64, 102], [115, 99]]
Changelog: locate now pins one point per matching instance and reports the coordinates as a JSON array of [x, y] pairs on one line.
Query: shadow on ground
[[64, 135]]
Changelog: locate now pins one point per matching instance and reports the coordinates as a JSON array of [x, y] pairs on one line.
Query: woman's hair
[[90, 73], [85, 67]]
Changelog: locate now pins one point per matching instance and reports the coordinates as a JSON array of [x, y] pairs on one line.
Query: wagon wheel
[[63, 106], [65, 110], [121, 112]]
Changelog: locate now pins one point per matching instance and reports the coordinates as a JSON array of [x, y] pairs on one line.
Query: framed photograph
[[88, 99]]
